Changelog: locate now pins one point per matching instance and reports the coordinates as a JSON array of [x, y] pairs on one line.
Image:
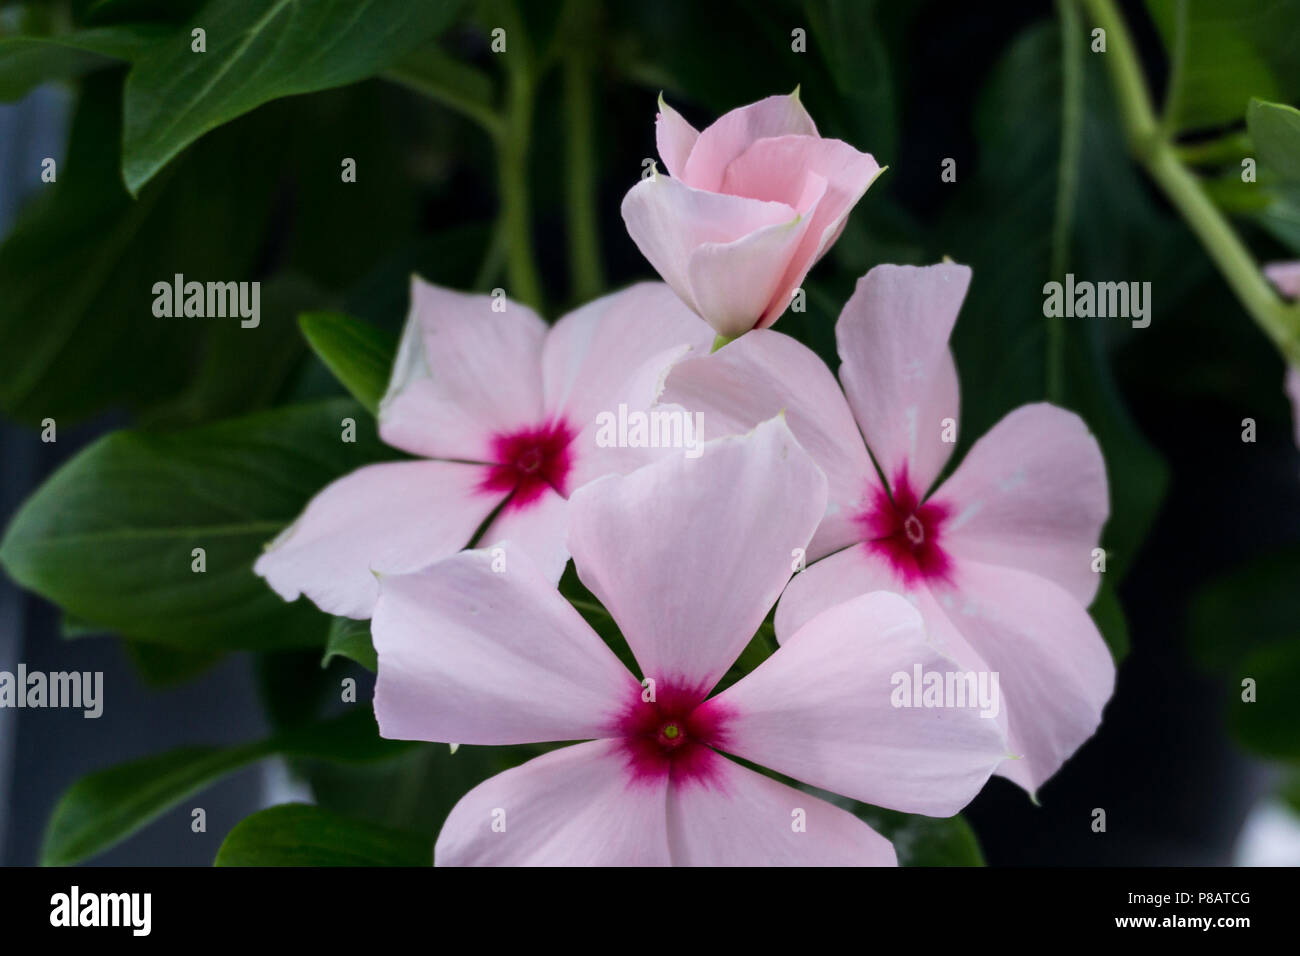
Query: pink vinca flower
[[688, 556], [998, 558], [750, 204], [503, 412], [1286, 276]]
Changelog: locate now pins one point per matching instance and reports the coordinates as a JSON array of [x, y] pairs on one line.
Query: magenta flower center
[[529, 461], [671, 735], [906, 531]]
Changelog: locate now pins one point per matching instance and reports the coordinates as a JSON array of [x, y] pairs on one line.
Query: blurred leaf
[[1108, 615], [1275, 130], [28, 61], [351, 639], [161, 666], [359, 355], [257, 51], [925, 841], [1268, 725], [109, 536], [77, 330], [1232, 51], [1251, 608], [295, 834], [105, 807]]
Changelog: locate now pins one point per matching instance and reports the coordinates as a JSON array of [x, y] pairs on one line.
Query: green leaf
[[351, 639], [110, 536], [257, 51], [28, 61], [1231, 52], [1268, 725], [295, 834], [359, 355], [77, 329], [1275, 130], [925, 841], [105, 807]]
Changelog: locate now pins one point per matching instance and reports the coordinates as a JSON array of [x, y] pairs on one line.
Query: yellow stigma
[[671, 731]]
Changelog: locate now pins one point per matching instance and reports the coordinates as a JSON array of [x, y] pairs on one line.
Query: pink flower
[[751, 203], [688, 556], [1286, 276], [502, 411], [998, 559]]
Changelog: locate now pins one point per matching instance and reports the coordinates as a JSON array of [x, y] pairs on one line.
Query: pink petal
[[389, 518], [736, 131], [897, 371], [688, 555], [463, 373], [615, 351], [481, 649], [538, 529], [1031, 494], [669, 221], [1286, 276], [822, 710], [833, 580], [762, 374], [735, 284], [746, 819], [674, 137], [570, 807], [1055, 671], [778, 170]]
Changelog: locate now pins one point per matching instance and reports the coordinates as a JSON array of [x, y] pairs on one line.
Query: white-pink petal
[[763, 374], [481, 648], [823, 710], [745, 819], [734, 132], [896, 367], [1055, 671], [571, 807], [1031, 494], [674, 138], [537, 528], [468, 367], [389, 518], [688, 555]]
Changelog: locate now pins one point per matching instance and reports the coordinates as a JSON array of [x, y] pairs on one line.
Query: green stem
[[414, 80], [1067, 180], [580, 186], [1153, 149], [1229, 149], [512, 165]]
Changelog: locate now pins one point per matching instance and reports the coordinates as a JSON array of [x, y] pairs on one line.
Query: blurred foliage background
[[480, 169]]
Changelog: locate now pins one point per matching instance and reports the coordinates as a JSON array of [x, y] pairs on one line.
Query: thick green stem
[[1154, 150], [580, 185]]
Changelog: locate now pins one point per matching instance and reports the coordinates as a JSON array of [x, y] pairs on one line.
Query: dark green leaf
[[28, 61], [257, 51], [925, 841], [106, 807], [359, 355], [1232, 51], [295, 834], [350, 639], [1275, 130], [110, 536]]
